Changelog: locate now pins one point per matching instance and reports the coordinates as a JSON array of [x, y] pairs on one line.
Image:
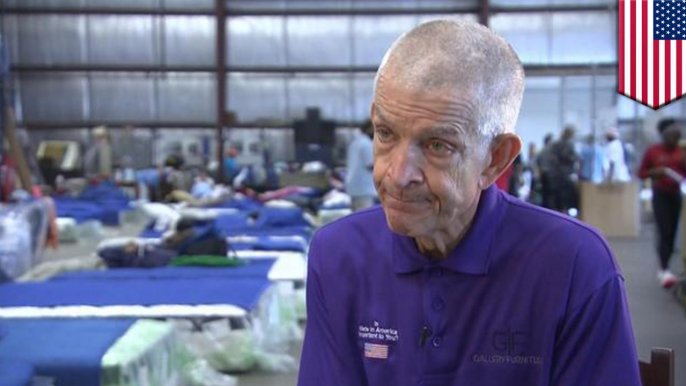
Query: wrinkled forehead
[[394, 95], [429, 75]]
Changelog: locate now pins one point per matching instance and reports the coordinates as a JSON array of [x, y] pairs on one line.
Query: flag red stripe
[[644, 53], [633, 42], [621, 47], [678, 68], [668, 71], [656, 73]]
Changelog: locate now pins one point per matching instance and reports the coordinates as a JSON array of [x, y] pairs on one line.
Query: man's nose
[[406, 169]]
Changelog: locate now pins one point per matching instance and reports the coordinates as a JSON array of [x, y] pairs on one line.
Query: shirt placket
[[432, 338]]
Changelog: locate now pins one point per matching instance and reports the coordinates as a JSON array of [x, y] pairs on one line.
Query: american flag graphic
[[651, 57], [378, 351]]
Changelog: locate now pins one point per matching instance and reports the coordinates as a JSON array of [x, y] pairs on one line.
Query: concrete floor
[[658, 319]]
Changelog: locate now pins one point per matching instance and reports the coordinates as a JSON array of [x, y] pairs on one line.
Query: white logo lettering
[[377, 332]]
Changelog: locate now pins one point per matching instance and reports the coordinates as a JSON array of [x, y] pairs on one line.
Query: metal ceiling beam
[[484, 12], [352, 12], [233, 12], [29, 68], [300, 11], [51, 125], [104, 11], [555, 9], [530, 69], [220, 74], [570, 70]]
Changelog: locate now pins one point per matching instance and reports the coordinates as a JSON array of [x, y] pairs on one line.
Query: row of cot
[[229, 318]]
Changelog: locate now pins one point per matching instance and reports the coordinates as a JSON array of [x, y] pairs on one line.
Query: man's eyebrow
[[379, 114], [441, 131]]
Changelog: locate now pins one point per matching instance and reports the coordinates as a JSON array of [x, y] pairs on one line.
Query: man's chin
[[404, 225]]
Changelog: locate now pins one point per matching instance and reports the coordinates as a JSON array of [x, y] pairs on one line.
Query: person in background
[[531, 174], [203, 186], [545, 163], [663, 164], [172, 177], [592, 161], [615, 166], [360, 162], [98, 158], [231, 168], [564, 172]]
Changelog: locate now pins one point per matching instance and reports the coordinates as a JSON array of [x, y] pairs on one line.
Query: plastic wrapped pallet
[[90, 231], [275, 323], [227, 346], [152, 353], [23, 229], [241, 344], [67, 228]]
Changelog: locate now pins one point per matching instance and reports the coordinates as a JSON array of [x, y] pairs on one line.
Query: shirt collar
[[471, 256]]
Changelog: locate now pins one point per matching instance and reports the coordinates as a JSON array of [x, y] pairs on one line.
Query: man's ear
[[372, 113], [502, 152]]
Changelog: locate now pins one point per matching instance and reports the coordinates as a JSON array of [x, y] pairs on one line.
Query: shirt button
[[437, 304], [437, 341]]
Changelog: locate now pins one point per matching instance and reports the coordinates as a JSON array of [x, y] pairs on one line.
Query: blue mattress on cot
[[253, 268], [246, 204], [268, 243], [335, 207], [302, 231], [83, 210], [69, 350], [79, 210], [269, 217], [138, 290], [15, 373], [103, 203], [232, 221]]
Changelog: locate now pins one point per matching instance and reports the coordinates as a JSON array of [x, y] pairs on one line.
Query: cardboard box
[[613, 208]]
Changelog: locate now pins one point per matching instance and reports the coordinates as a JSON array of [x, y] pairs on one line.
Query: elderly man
[[450, 281]]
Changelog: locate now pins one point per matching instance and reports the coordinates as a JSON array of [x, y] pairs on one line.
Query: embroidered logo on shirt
[[377, 332], [509, 347], [377, 351]]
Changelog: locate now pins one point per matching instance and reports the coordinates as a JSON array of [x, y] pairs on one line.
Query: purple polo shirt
[[528, 297]]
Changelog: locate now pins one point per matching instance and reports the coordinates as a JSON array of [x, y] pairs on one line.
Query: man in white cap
[[98, 157]]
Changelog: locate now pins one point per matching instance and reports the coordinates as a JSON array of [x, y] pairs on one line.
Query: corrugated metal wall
[[345, 41]]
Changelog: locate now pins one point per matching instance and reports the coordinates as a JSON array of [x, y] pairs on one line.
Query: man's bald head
[[464, 57]]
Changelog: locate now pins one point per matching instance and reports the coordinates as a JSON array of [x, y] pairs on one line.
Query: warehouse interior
[[224, 128]]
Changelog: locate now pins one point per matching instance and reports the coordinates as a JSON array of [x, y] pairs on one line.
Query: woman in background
[[664, 164]]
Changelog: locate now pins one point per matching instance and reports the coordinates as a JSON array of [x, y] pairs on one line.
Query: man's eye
[[383, 134], [440, 147]]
